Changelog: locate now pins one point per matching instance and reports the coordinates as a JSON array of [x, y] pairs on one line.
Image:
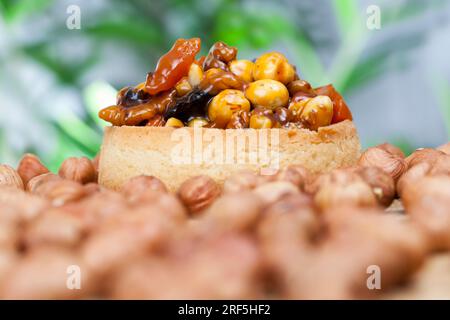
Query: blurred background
[[54, 79]]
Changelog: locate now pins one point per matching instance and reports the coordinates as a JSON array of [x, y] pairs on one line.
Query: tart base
[[176, 154]]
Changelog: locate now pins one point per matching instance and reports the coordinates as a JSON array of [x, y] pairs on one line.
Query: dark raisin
[[193, 104]]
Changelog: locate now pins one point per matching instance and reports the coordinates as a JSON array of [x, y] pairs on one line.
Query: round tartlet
[[176, 154]]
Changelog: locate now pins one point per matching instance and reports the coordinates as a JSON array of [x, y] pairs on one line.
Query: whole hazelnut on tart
[[376, 157], [392, 149], [269, 94], [381, 182], [198, 193], [78, 169], [274, 66], [225, 104], [29, 167], [243, 69], [10, 177], [422, 155]]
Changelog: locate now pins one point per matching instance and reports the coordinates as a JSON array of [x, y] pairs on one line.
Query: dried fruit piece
[[172, 66], [219, 55]]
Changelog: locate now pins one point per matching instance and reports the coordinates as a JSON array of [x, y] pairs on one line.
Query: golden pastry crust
[[176, 154]]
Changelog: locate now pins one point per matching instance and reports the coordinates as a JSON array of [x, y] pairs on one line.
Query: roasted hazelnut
[[392, 149], [54, 227], [302, 86], [198, 122], [60, 192], [37, 181], [10, 177], [243, 69], [274, 66], [223, 105], [139, 185], [273, 191], [267, 93], [412, 175], [241, 181], [295, 174], [260, 122], [234, 211], [195, 75], [43, 274], [198, 193], [78, 169], [422, 155], [317, 112], [174, 122], [183, 87], [381, 182], [441, 165], [444, 148], [29, 167], [376, 157], [22, 205], [343, 187]]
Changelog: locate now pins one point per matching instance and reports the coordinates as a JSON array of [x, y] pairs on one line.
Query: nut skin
[[344, 187], [78, 169], [139, 185], [260, 122], [10, 177], [444, 148], [198, 123], [376, 157], [29, 167], [195, 75], [267, 93], [422, 155], [60, 192], [412, 175], [392, 149], [295, 174], [382, 184], [174, 123], [316, 112], [241, 181], [273, 191], [274, 66], [225, 104], [198, 193], [34, 184], [243, 69]]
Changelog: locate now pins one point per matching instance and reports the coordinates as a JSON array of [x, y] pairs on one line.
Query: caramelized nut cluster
[[221, 91]]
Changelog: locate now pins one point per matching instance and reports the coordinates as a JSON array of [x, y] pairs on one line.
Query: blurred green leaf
[[97, 96], [13, 10]]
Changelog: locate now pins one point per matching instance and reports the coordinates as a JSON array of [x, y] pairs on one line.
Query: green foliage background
[[119, 41]]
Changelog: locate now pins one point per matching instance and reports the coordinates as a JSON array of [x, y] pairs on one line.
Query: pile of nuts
[[292, 235], [220, 91]]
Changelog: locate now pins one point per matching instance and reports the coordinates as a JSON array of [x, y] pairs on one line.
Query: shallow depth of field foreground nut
[[376, 157], [9, 177], [29, 167], [61, 191], [382, 184], [235, 211], [198, 193], [392, 149], [273, 191], [78, 169], [422, 155], [43, 274], [137, 186], [344, 187]]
